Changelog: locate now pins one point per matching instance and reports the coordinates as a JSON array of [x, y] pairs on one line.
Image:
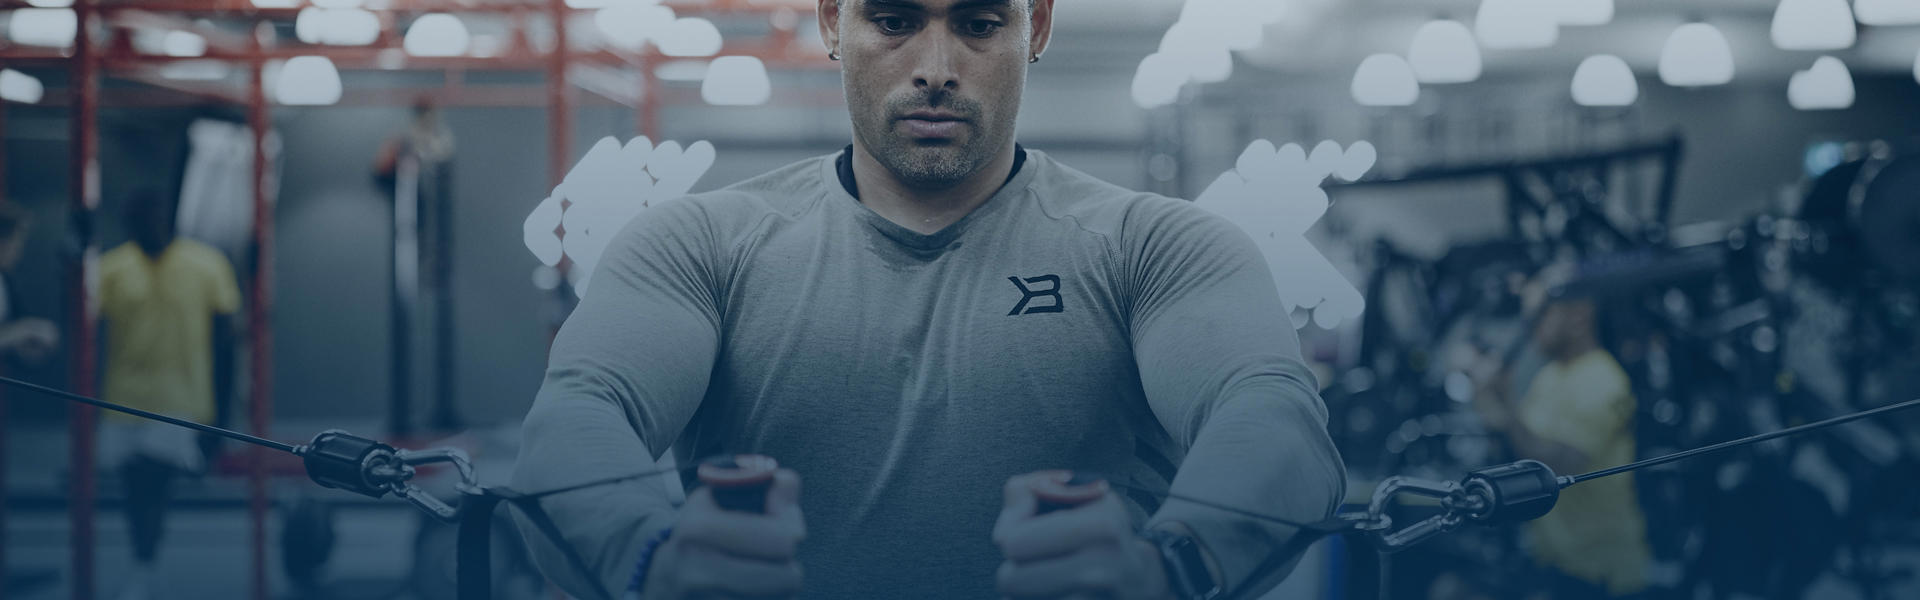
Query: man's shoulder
[[790, 190], [1096, 204]]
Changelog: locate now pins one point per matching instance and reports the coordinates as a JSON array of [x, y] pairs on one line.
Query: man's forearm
[[1264, 449], [567, 441]]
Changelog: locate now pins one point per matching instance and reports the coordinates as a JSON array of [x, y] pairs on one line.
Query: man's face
[[934, 86]]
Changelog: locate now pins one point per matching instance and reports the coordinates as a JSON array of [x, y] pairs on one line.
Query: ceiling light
[[20, 87], [336, 26], [1887, 12], [1385, 80], [184, 43], [736, 81], [681, 70], [1826, 86], [1203, 57], [49, 27], [691, 37], [275, 3], [337, 3], [632, 26], [436, 34], [1696, 55], [308, 81], [1157, 81], [1358, 159], [1517, 24], [50, 3], [1604, 80], [1813, 25], [1444, 52], [1584, 12]]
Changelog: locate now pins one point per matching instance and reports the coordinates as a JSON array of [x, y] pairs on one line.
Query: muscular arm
[[625, 374], [1222, 370]]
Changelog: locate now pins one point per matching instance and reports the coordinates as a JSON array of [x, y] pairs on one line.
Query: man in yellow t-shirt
[[163, 302], [1577, 416]]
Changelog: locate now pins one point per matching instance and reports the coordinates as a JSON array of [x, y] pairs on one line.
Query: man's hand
[[715, 552], [31, 339], [1089, 550]]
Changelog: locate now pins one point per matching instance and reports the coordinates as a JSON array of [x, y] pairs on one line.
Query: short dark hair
[[843, 2]]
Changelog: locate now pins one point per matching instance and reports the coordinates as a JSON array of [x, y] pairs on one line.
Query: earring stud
[[1033, 59], [833, 55]]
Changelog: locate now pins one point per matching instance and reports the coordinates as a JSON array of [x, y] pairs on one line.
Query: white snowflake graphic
[[609, 187], [1275, 195]]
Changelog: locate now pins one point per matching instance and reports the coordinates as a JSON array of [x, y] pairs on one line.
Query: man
[[928, 325], [25, 338], [1577, 416], [165, 304]]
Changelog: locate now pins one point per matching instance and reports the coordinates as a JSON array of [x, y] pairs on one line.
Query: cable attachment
[[341, 460], [1504, 494]]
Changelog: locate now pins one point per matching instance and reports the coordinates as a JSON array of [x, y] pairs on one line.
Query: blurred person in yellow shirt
[[165, 304], [1576, 416]]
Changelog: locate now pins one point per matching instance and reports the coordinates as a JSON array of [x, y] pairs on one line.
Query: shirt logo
[[1029, 293]]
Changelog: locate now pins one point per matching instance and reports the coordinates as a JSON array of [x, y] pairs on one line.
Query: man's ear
[[1042, 25], [829, 13]]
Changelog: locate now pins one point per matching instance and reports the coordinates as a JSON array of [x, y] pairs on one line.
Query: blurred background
[[1584, 231]]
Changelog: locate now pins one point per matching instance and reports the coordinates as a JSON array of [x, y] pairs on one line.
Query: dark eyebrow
[[912, 5]]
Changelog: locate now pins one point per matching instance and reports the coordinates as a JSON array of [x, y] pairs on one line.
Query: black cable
[[235, 435], [1217, 506], [607, 481], [1634, 466]]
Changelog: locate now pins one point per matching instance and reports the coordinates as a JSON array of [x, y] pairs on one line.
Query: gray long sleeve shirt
[[1065, 323]]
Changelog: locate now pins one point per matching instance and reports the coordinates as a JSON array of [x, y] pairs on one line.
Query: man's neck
[[926, 211]]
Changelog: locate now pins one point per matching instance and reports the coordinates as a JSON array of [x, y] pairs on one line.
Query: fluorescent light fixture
[[1813, 25], [1696, 55], [1157, 81], [20, 87], [1887, 12], [1385, 80], [337, 3], [736, 81], [1517, 24], [1203, 57], [1584, 12], [681, 70], [48, 27], [691, 37], [184, 43], [275, 3], [1444, 52], [1826, 86], [1360, 158], [437, 34], [50, 3], [336, 26], [308, 81], [631, 26], [1604, 80]]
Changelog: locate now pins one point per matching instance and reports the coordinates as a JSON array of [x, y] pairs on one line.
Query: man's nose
[[938, 66]]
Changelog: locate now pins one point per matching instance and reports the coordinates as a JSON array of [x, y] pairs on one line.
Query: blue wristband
[[639, 578]]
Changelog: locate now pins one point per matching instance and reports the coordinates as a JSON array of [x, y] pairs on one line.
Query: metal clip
[[1453, 500], [399, 481]]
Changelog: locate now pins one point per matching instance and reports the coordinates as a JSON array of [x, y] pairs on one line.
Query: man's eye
[[983, 27], [893, 25]]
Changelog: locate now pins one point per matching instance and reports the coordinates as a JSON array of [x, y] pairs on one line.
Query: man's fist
[[1089, 549], [721, 553]]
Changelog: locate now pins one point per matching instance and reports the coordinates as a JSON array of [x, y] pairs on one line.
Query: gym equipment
[[1499, 495]]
